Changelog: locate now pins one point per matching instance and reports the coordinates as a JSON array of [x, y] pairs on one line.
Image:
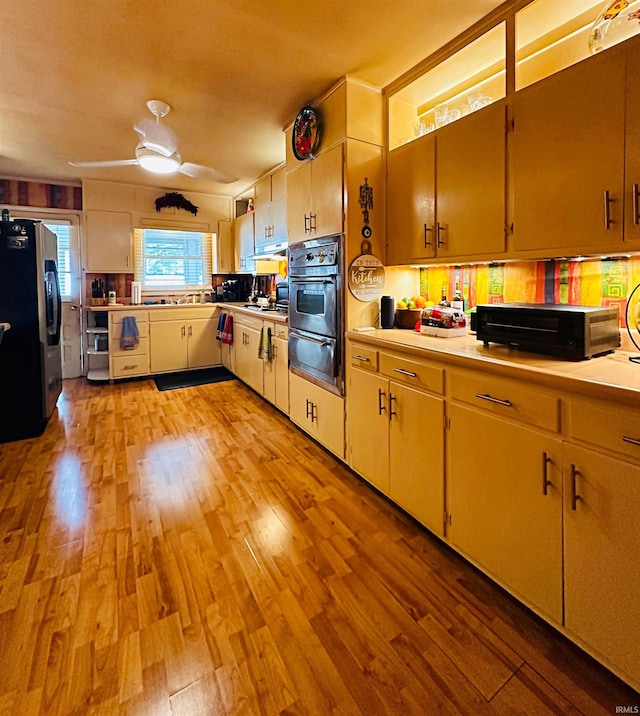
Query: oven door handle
[[311, 340], [296, 281]]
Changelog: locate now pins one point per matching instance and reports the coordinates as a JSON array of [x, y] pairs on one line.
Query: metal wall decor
[[366, 202], [305, 138]]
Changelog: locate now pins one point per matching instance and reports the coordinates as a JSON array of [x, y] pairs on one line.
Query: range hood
[[271, 252]]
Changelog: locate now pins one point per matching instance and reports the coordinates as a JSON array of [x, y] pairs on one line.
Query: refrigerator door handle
[[53, 301]]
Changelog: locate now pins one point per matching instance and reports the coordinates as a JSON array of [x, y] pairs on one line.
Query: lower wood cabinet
[[130, 362], [318, 412], [504, 500], [246, 341], [183, 338], [276, 371], [395, 433]]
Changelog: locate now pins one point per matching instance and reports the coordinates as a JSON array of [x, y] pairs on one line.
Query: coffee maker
[[235, 290]]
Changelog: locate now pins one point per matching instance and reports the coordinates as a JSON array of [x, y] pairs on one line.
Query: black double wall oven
[[316, 311]]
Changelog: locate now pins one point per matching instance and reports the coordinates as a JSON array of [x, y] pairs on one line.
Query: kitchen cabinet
[[271, 210], [276, 371], [319, 413], [504, 496], [601, 536], [568, 158], [395, 430], [125, 363], [225, 259], [446, 191], [315, 197], [183, 338], [109, 241], [244, 242], [249, 367]]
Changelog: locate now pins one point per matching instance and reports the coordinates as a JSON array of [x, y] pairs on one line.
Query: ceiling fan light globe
[[158, 164]]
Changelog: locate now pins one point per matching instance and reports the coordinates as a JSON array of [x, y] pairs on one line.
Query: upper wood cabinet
[[315, 197], [244, 242], [568, 153], [446, 192], [271, 210], [109, 241]]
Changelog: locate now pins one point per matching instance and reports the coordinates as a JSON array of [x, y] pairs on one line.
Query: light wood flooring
[[192, 552]]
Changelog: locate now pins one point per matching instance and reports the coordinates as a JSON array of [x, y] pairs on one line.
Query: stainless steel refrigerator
[[30, 352]]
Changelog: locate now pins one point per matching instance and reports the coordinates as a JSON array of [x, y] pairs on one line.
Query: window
[[167, 260], [65, 260]]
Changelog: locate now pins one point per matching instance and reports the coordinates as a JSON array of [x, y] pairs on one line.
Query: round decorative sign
[[305, 137], [366, 277]]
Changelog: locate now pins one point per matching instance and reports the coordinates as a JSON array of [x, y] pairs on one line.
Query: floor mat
[[189, 378]]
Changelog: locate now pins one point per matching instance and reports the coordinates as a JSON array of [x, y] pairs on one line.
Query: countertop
[[610, 377], [276, 316]]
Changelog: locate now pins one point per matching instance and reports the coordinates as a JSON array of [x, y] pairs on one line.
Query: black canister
[[387, 312]]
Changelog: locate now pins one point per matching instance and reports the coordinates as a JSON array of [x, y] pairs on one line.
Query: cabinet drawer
[[142, 347], [116, 332], [240, 319], [280, 331], [363, 357], [605, 426], [126, 365], [507, 398], [415, 373], [186, 314]]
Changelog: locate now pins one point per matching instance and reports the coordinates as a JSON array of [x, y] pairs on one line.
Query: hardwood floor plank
[[194, 552]]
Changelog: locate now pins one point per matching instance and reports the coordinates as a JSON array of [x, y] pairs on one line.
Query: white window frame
[[206, 247]]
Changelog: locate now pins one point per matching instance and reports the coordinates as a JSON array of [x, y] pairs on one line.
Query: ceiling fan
[[157, 150]]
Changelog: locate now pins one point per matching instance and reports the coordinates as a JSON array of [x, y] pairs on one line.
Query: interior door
[[66, 229]]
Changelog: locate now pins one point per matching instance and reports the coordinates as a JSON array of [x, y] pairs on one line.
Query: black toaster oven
[[573, 332]]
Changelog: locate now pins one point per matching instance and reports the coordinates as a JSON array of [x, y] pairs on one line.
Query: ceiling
[[76, 76]]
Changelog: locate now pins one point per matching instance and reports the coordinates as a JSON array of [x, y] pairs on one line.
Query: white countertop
[[276, 316], [612, 376]]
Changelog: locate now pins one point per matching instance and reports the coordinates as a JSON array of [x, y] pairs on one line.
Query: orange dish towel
[[227, 331]]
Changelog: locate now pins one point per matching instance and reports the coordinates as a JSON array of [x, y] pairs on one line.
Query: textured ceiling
[[75, 76]]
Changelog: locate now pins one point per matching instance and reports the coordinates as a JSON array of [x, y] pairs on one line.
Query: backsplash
[[593, 282]]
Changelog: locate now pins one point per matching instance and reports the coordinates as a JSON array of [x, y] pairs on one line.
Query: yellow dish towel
[[265, 350]]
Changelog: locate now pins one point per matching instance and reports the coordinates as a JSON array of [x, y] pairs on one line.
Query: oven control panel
[[313, 253]]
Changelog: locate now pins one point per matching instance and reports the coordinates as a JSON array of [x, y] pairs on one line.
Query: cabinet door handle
[[314, 413], [312, 223], [574, 494], [491, 399], [308, 404], [607, 210], [636, 210], [405, 372], [439, 241], [631, 441], [307, 224], [362, 359], [381, 396], [427, 229], [392, 400], [183, 331], [190, 331], [545, 480]]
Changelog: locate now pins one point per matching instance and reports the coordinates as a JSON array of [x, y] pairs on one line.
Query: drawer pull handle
[[405, 372], [381, 395], [574, 495], [491, 399], [545, 480], [314, 412], [309, 403], [129, 367], [361, 358], [631, 441]]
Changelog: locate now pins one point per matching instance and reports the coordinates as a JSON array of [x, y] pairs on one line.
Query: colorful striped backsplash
[[593, 282]]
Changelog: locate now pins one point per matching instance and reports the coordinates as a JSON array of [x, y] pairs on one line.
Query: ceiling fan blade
[[198, 171], [114, 163]]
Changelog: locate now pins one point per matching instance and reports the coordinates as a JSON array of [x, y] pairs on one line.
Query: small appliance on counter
[[235, 290], [282, 296], [565, 331]]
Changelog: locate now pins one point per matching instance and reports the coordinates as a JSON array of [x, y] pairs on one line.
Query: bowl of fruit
[[409, 310]]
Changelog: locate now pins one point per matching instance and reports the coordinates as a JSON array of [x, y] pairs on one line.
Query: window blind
[[169, 260]]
